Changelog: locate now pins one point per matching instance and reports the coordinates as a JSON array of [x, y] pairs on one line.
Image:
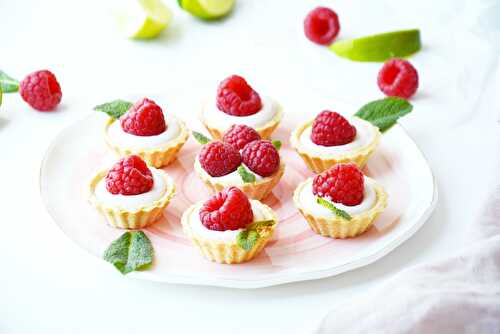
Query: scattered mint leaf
[[200, 138], [114, 109], [132, 251], [247, 238], [329, 205], [277, 144], [384, 113], [245, 175], [8, 84]]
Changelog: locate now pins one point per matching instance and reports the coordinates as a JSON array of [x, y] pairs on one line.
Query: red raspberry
[[219, 159], [321, 25], [41, 90], [398, 78], [343, 183], [228, 210], [129, 176], [145, 118], [261, 157], [331, 129], [236, 97], [239, 136]]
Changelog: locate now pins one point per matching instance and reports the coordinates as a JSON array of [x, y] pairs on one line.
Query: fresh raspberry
[[398, 78], [331, 129], [41, 90], [261, 157], [228, 210], [144, 118], [343, 183], [240, 135], [129, 176], [236, 97], [321, 25], [219, 159]]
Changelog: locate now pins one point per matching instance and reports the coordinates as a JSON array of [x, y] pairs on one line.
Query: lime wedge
[[207, 9], [143, 19], [379, 47]]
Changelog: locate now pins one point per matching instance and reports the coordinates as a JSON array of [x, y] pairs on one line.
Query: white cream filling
[[218, 119], [308, 201], [230, 235], [365, 133], [132, 202], [124, 139]]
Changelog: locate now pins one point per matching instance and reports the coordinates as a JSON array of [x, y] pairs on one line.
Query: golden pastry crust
[[319, 163], [157, 157], [264, 131], [224, 251], [256, 190], [138, 218], [337, 227]]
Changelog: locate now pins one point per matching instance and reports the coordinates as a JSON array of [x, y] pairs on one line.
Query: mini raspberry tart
[[131, 194], [331, 138], [146, 131], [236, 102], [254, 167], [341, 202], [228, 227]]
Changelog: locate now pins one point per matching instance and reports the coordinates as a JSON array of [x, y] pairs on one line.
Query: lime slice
[[379, 47], [143, 19], [207, 9]]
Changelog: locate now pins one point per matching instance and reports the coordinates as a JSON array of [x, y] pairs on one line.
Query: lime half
[[143, 19], [379, 47], [207, 9]]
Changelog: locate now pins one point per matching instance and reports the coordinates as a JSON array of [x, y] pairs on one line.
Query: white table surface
[[49, 285]]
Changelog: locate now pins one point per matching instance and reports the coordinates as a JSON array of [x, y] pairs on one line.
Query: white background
[[49, 285]]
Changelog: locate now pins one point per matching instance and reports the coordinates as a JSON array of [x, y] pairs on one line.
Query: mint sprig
[[247, 238], [384, 113], [277, 144], [114, 109], [132, 251], [245, 175], [329, 205], [7, 83], [200, 138]]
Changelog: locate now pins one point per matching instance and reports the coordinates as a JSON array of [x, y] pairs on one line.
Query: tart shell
[[229, 252], [256, 190], [320, 163], [138, 218], [157, 157], [340, 228]]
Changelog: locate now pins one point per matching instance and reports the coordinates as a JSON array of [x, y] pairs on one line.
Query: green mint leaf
[[200, 138], [384, 113], [8, 84], [260, 224], [132, 251], [114, 109], [245, 175], [277, 144], [333, 208], [247, 238]]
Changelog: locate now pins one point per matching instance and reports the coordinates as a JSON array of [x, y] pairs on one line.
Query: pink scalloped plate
[[295, 254]]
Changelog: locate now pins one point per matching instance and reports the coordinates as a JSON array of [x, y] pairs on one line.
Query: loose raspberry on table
[[321, 25], [219, 159], [144, 118], [331, 129], [240, 135], [227, 210], [398, 78], [261, 157], [236, 97], [129, 176], [41, 90], [343, 183]]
